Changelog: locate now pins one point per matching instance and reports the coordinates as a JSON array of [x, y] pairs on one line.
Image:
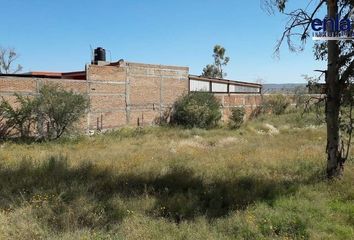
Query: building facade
[[126, 93]]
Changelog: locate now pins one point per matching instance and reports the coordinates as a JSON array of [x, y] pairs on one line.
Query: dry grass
[[161, 183]]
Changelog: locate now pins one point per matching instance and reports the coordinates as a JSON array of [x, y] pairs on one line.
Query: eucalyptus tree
[[220, 61], [8, 56], [338, 53]]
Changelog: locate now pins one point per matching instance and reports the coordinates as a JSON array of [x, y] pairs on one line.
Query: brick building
[[126, 93]]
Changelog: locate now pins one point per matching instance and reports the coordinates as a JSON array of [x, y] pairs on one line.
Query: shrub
[[5, 125], [197, 109], [21, 118], [164, 118], [258, 111], [276, 104], [60, 109], [300, 97], [236, 118]]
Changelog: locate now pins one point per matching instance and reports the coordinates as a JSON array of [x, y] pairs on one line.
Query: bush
[[60, 109], [57, 108], [276, 104], [236, 118], [21, 118], [197, 109], [5, 125], [300, 97]]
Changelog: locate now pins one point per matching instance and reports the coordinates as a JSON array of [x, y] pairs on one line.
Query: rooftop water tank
[[99, 55]]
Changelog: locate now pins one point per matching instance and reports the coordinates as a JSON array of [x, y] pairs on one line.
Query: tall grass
[[167, 183]]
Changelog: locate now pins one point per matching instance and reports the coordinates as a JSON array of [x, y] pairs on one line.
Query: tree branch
[[298, 18]]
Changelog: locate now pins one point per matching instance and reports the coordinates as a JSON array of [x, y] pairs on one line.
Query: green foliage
[[168, 183], [197, 109], [276, 104], [281, 4], [220, 60], [20, 118], [7, 58], [300, 97], [54, 106], [294, 119], [237, 117], [5, 125], [211, 71], [60, 108]]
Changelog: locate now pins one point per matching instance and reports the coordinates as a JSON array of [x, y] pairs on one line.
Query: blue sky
[[56, 35]]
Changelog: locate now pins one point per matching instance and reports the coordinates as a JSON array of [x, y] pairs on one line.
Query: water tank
[[100, 54]]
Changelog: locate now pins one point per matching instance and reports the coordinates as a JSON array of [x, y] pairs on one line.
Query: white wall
[[196, 85], [199, 85]]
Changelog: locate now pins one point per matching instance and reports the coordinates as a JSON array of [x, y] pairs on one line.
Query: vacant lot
[[264, 181]]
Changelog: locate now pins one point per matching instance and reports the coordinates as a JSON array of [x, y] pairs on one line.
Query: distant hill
[[282, 88]]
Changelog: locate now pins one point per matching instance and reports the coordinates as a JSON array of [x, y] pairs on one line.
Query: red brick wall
[[229, 101], [153, 89], [132, 93], [125, 94]]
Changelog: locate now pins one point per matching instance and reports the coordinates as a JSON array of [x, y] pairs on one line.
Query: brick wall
[[229, 101], [126, 93], [132, 93], [153, 89]]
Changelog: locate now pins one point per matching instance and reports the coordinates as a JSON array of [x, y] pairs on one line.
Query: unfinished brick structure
[[230, 93], [132, 93], [126, 93]]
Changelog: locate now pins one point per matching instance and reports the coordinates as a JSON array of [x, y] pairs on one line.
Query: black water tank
[[100, 54]]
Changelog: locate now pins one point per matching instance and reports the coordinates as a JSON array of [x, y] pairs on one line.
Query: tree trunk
[[334, 156]]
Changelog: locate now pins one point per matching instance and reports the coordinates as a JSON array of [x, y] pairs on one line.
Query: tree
[[216, 70], [7, 58], [338, 76], [6, 126], [211, 71], [60, 109], [21, 118], [54, 106]]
